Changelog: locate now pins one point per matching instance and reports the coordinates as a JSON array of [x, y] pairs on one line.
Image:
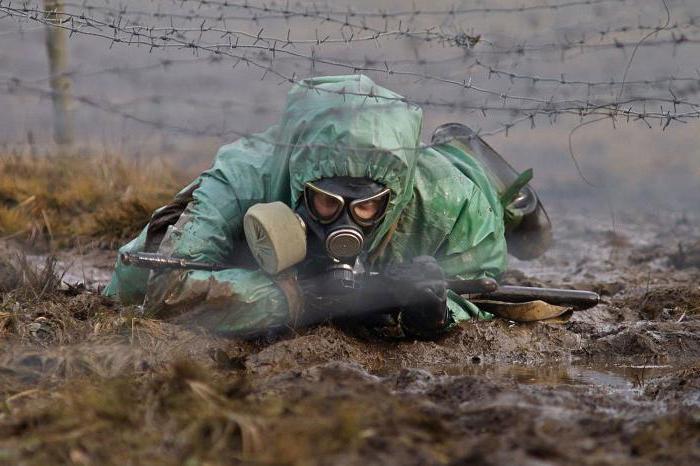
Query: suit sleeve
[[234, 301], [476, 245]]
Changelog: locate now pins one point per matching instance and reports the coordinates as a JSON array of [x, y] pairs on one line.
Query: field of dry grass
[[65, 199]]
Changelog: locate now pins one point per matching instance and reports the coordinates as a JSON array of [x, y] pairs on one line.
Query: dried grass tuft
[[66, 198], [36, 307]]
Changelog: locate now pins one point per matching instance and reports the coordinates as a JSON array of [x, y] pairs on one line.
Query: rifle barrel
[[154, 261], [520, 294], [482, 288], [478, 286]]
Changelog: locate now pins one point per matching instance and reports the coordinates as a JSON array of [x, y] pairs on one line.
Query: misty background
[[521, 72]]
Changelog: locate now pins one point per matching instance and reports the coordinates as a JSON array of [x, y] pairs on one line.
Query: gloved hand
[[417, 288], [420, 289]]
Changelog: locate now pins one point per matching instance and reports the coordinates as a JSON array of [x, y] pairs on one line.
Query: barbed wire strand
[[148, 39]]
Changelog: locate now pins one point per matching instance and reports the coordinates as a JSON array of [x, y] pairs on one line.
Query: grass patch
[[36, 308], [61, 200], [86, 381]]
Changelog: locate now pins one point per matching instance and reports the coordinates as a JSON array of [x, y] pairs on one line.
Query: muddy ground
[[86, 382]]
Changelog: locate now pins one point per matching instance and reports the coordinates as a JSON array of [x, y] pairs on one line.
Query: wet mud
[[87, 382]]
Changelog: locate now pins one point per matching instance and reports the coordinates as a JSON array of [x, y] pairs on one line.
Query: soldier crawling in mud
[[372, 201]]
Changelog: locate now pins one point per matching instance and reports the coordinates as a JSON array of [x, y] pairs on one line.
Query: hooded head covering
[[348, 126]]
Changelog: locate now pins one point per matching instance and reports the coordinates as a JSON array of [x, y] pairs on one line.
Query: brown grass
[[36, 308], [64, 199], [84, 381]]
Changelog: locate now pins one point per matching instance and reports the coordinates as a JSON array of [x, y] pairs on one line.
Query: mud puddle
[[93, 268], [615, 377]]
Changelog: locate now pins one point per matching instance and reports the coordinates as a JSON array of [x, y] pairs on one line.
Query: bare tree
[[56, 47]]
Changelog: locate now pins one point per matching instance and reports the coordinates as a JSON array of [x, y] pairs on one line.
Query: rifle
[[486, 289]]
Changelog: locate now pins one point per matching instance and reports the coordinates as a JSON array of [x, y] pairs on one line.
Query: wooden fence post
[[56, 47]]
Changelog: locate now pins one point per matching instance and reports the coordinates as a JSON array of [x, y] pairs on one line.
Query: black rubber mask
[[340, 213]]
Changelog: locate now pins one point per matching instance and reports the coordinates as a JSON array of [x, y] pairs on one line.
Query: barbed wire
[[449, 105], [415, 11], [146, 37], [16, 85], [693, 81], [428, 34], [458, 39], [164, 63], [166, 37], [563, 80], [667, 107], [313, 10], [664, 117], [491, 71], [373, 34]]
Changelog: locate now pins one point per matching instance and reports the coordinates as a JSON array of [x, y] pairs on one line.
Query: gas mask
[[334, 220], [341, 213]]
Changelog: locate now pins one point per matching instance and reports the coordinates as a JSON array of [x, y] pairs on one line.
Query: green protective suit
[[442, 205]]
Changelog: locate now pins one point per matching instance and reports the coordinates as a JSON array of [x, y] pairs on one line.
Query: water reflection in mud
[[616, 377]]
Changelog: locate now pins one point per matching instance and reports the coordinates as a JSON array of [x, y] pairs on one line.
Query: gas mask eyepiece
[[325, 206]]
